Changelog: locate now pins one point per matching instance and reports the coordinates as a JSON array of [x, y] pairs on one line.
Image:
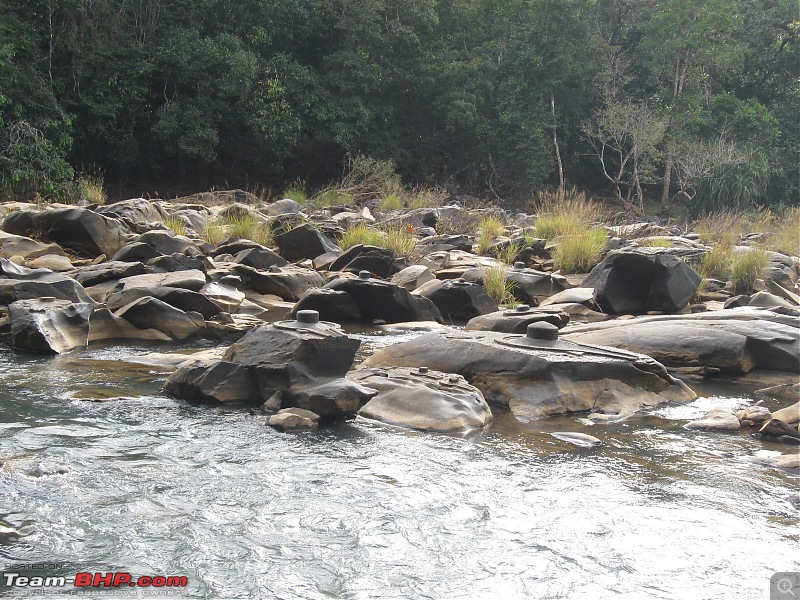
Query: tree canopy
[[495, 98]]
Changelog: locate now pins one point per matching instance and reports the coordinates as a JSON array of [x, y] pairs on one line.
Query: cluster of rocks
[[72, 276]]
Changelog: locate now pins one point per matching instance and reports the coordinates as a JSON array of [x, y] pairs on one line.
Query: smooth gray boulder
[[637, 280], [93, 274], [19, 245], [538, 377], [303, 242], [517, 319], [48, 325], [456, 299], [733, 340], [133, 211], [22, 283], [180, 298], [719, 419], [357, 258], [423, 399], [191, 280], [368, 300], [289, 282], [151, 313], [78, 229], [413, 277], [260, 257], [299, 363]]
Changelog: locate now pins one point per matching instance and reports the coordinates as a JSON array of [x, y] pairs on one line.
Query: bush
[[427, 198], [361, 233], [331, 197], [510, 253], [655, 242], [579, 252], [92, 189], [747, 268]]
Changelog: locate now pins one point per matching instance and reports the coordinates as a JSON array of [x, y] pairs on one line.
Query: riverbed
[[102, 472]]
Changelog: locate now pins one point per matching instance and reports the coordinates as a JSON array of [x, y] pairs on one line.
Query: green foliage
[[297, 193], [579, 252], [361, 233], [331, 197], [400, 240], [92, 188], [489, 229], [390, 202], [214, 233], [509, 253], [499, 288], [569, 213], [716, 264], [176, 224], [246, 226]]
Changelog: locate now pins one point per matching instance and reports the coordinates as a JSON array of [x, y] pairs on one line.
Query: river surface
[[151, 485]]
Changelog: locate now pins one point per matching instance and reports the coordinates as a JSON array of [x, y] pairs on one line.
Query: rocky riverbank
[[601, 344]]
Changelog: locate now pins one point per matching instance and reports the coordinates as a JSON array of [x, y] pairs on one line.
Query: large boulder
[[303, 242], [456, 299], [734, 340], [289, 282], [423, 399], [21, 283], [638, 280], [537, 375], [260, 258], [374, 300], [286, 364], [413, 277], [529, 285], [93, 274], [79, 229], [517, 319], [167, 242], [49, 326], [134, 211], [19, 245], [378, 261], [193, 279], [182, 299], [151, 313]]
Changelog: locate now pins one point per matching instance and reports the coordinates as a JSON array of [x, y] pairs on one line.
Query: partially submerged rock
[[456, 299], [719, 419], [537, 375], [48, 325], [423, 399]]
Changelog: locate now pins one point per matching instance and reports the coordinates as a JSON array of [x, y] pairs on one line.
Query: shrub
[[500, 289], [361, 233], [579, 252], [176, 224], [92, 189], [747, 267]]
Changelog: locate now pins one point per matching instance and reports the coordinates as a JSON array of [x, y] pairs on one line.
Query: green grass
[[400, 240], [510, 253], [296, 193], [786, 232], [747, 267], [92, 189], [656, 242], [214, 233], [331, 197], [249, 227], [579, 252], [489, 229], [361, 233], [176, 224], [723, 227], [426, 198], [716, 264], [500, 289], [571, 214], [390, 202]]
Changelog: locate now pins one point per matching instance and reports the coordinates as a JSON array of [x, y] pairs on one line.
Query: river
[[151, 485]]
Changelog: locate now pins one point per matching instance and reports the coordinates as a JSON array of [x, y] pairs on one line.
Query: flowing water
[[155, 486]]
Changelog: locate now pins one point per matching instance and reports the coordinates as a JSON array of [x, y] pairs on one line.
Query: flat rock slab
[[423, 399], [548, 378]]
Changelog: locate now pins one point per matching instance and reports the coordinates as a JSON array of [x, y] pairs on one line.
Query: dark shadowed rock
[[49, 326], [93, 274], [289, 282], [166, 242], [176, 262], [136, 252], [333, 305], [375, 300], [21, 283], [637, 280], [182, 299], [260, 258], [516, 320], [303, 242], [542, 377], [457, 299], [423, 399], [377, 261]]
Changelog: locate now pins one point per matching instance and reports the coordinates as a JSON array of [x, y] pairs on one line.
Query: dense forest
[[691, 102]]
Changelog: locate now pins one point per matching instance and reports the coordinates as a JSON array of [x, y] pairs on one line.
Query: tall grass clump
[[579, 252], [296, 192], [426, 197], [214, 233], [655, 242], [509, 253], [722, 227], [489, 229], [391, 201], [716, 264], [175, 223], [249, 227], [499, 288], [564, 214], [747, 267], [92, 188], [399, 240], [361, 233], [786, 232]]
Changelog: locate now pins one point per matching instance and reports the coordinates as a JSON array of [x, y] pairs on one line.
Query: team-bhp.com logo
[[95, 580]]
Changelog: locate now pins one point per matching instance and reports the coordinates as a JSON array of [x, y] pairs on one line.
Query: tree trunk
[[681, 66], [555, 145]]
